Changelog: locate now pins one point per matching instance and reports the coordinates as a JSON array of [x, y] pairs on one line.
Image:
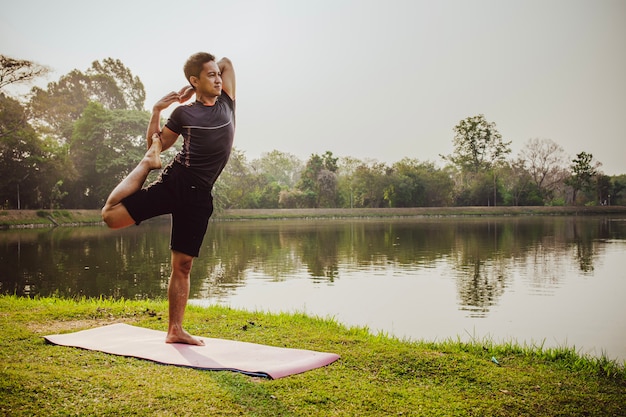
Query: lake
[[543, 280]]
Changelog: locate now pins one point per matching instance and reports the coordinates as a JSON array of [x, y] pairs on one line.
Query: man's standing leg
[[177, 294], [114, 213]]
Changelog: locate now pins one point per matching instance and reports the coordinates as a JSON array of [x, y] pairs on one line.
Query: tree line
[[68, 145]]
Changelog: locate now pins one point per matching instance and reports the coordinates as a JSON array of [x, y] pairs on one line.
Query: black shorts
[[191, 207]]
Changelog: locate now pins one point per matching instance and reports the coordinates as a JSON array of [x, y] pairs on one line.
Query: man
[[184, 187]]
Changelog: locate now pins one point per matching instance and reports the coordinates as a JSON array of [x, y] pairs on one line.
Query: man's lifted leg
[[114, 213]]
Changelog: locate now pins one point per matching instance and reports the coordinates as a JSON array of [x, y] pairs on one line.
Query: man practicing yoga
[[184, 187]]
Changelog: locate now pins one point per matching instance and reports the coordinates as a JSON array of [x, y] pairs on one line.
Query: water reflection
[[481, 254]]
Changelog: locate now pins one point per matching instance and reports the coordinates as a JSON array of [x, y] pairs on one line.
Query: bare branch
[[19, 71]]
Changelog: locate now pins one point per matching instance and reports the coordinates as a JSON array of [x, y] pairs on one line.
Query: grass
[[338, 213], [48, 218], [376, 375]]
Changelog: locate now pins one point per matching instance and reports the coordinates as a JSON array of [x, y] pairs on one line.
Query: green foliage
[[583, 172], [29, 167], [105, 146], [19, 154], [115, 87], [319, 181], [55, 109], [368, 184], [617, 195], [478, 145], [237, 186], [477, 190], [415, 184], [478, 149], [62, 149], [602, 187], [280, 168]]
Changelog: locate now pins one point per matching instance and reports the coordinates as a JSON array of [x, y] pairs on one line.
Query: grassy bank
[[50, 218], [376, 375], [415, 212]]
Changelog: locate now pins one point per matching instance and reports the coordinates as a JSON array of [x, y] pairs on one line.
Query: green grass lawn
[[376, 375]]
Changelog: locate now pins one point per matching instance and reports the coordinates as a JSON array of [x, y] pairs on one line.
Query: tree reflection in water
[[134, 263]]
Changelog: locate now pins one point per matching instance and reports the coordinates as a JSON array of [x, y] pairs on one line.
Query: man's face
[[210, 80]]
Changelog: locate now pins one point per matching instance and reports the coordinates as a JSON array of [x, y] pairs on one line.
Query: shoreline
[[10, 219]]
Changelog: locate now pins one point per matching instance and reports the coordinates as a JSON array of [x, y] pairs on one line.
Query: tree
[[318, 182], [105, 146], [56, 169], [327, 188], [583, 171], [114, 85], [545, 162], [13, 71], [29, 167], [520, 189], [95, 121], [405, 187], [417, 184], [478, 147], [18, 148], [369, 184], [478, 191], [262, 183], [237, 186], [617, 195], [345, 180], [279, 167], [603, 188], [55, 109]]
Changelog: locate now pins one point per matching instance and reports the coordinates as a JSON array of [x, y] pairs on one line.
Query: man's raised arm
[[228, 77]]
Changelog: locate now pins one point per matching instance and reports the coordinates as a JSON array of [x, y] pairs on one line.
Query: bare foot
[[181, 336], [153, 156]]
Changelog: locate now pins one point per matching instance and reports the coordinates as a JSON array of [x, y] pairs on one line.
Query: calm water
[[554, 281]]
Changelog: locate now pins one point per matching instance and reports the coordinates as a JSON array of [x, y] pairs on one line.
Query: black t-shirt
[[208, 133]]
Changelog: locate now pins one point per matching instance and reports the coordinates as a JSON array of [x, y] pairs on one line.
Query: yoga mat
[[218, 354]]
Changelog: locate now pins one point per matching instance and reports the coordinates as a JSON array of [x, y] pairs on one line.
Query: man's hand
[[181, 96], [185, 93], [154, 126], [166, 101]]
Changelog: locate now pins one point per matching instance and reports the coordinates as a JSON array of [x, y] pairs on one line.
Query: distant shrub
[[557, 202]]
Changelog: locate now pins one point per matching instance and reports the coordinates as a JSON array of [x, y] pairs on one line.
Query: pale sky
[[360, 78]]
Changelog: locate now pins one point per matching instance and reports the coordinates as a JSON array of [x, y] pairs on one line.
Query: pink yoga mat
[[218, 354]]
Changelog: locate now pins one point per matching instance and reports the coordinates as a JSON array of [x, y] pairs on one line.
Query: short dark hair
[[194, 64]]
